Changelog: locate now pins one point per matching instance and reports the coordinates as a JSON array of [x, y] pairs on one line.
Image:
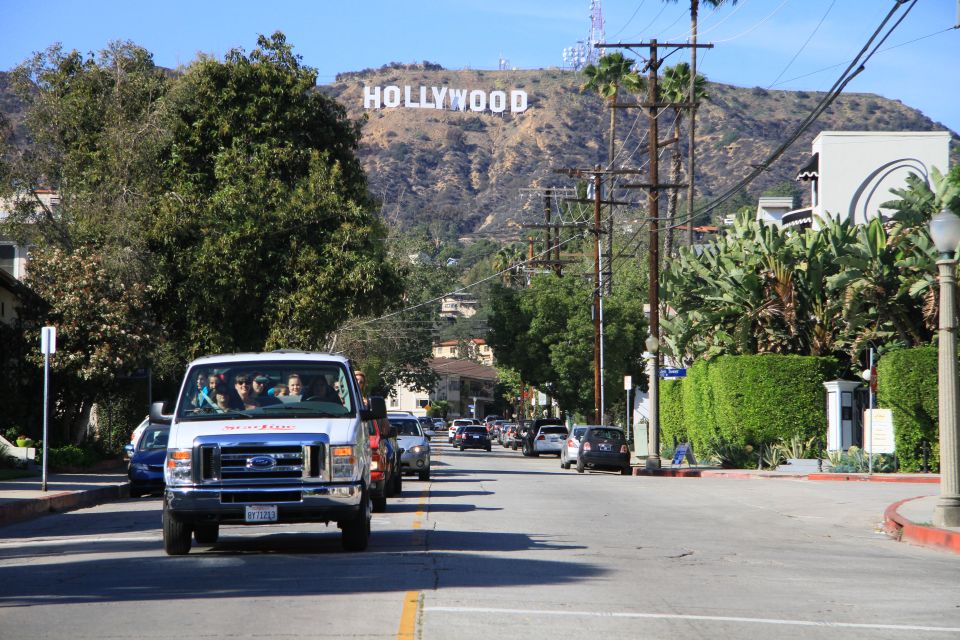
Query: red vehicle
[[385, 477]]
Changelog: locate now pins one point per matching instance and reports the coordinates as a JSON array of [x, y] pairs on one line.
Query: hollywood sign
[[392, 97]]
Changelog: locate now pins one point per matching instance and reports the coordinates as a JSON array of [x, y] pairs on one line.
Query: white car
[[459, 422], [568, 454], [414, 445], [551, 438]]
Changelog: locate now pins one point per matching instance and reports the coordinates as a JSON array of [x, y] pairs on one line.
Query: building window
[[8, 254]]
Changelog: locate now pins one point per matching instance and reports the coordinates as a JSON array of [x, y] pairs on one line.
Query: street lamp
[[653, 453], [945, 232]]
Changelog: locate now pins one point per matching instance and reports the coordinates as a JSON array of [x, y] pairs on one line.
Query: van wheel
[[176, 534], [355, 533], [206, 533]]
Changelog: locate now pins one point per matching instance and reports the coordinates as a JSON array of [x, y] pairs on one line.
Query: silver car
[[414, 446], [551, 438], [568, 455]]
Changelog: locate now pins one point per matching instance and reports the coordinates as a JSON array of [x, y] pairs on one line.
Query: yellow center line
[[411, 599]]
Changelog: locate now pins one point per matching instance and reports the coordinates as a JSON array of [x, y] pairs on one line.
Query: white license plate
[[606, 447], [261, 513]]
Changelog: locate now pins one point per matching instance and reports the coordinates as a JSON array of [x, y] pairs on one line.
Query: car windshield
[[406, 426], [154, 438], [258, 389], [607, 434], [578, 432], [562, 430]]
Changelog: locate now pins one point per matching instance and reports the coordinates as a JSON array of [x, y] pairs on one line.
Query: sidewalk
[[909, 520], [22, 499]]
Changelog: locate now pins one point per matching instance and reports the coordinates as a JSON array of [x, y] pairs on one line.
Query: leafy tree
[[265, 238]]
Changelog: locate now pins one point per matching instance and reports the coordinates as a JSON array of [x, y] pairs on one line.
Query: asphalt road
[[500, 546]]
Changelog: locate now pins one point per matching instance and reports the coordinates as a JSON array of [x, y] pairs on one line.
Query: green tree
[[265, 238]]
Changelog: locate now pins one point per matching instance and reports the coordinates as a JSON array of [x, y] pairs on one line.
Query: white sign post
[[627, 386], [48, 345]]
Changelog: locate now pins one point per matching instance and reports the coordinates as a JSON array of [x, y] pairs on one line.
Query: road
[[500, 546]]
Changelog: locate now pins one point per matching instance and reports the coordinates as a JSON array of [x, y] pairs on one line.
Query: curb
[[903, 530], [759, 475], [28, 509]]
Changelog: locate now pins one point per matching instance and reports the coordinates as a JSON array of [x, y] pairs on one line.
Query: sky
[[779, 44]]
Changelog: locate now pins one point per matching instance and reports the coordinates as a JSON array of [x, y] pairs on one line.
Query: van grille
[[241, 462]]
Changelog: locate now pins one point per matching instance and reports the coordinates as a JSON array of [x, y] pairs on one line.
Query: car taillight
[[541, 437], [571, 443], [623, 449], [586, 446], [375, 461]]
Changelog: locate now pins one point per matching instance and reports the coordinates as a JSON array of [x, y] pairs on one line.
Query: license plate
[[605, 447], [261, 513]]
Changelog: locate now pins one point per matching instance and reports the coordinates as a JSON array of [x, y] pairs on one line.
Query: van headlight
[[179, 467], [343, 463]]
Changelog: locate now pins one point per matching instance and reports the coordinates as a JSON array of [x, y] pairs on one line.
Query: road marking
[[408, 617], [676, 616]]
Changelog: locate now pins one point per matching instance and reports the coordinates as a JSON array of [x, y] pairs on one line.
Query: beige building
[[458, 305], [13, 256], [466, 385], [474, 349]]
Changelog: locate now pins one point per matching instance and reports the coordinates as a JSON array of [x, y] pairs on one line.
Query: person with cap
[[260, 383]]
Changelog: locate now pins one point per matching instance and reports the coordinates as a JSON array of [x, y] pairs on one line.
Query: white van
[[241, 456]]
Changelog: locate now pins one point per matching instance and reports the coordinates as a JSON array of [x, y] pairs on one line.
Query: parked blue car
[[147, 456]]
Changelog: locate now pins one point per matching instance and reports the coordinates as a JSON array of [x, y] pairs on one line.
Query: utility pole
[[653, 187], [596, 298]]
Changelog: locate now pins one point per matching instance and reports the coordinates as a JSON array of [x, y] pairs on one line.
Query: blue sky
[[756, 40]]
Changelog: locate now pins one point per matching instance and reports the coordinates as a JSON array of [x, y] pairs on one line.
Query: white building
[[458, 305], [475, 349], [466, 385], [851, 173], [13, 256]]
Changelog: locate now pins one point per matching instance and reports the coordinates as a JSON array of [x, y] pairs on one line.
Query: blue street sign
[[667, 372]]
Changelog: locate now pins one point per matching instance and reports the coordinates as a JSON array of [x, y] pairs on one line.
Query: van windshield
[[259, 389]]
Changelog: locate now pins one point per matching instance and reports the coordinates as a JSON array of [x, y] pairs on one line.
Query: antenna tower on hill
[[596, 31]]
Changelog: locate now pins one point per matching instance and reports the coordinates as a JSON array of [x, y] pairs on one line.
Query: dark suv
[[528, 432], [473, 437]]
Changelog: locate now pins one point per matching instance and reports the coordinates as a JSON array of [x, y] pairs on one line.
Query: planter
[[24, 442]]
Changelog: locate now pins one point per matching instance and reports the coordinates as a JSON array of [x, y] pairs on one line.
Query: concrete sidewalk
[[23, 499]]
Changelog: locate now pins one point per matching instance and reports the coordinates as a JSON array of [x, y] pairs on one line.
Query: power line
[[805, 43]]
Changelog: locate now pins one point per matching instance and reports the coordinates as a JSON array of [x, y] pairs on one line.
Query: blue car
[[147, 457]]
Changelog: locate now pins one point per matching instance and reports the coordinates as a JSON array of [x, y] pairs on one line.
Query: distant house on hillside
[[851, 173], [475, 349], [465, 385], [13, 255], [458, 305]]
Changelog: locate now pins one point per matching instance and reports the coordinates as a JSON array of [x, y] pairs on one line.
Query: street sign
[[668, 372], [627, 383], [48, 340]]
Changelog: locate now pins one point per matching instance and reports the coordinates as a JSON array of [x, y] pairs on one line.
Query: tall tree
[[611, 73], [675, 87]]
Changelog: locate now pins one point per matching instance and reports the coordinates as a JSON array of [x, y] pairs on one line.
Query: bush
[[68, 457], [671, 413], [735, 401], [907, 385]]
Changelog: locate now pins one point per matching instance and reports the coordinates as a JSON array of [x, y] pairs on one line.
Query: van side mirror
[[157, 415], [376, 410]]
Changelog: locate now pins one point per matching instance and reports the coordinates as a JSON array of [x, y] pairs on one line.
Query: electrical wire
[[805, 43], [756, 26]]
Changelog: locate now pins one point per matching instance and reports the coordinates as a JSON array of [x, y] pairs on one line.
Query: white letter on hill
[[498, 101], [458, 99], [518, 101], [407, 102], [438, 96], [478, 100], [371, 97], [391, 96]]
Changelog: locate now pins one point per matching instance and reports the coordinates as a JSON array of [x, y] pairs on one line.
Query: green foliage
[[69, 457], [672, 427], [737, 401], [856, 460], [907, 385]]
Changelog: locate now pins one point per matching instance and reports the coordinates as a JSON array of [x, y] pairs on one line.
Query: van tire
[[355, 533], [176, 534]]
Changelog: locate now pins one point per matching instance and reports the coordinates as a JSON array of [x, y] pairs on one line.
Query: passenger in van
[[260, 383], [244, 387], [224, 399], [278, 390], [294, 385], [203, 398], [323, 392], [361, 378]]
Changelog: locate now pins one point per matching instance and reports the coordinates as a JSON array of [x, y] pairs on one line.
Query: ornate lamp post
[[945, 232], [653, 349]]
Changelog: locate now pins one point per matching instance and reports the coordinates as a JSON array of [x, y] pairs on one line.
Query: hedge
[[755, 399], [671, 412], [907, 385]]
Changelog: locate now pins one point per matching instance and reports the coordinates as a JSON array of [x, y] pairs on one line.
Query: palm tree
[[611, 73], [675, 87], [694, 11]]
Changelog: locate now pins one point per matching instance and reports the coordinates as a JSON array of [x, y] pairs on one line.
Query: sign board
[[627, 383], [684, 451], [882, 431], [48, 340], [445, 98], [668, 372]]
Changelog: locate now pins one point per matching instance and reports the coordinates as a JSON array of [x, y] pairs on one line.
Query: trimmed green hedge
[[907, 385], [671, 412], [755, 399]]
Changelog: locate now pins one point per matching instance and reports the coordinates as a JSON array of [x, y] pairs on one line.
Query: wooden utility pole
[[597, 418]]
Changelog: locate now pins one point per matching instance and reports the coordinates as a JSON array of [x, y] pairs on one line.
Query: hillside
[[428, 163], [465, 171]]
